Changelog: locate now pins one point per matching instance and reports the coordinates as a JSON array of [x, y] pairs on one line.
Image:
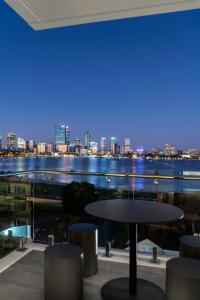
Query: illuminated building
[[94, 148], [103, 145], [62, 148], [60, 135], [87, 139], [140, 150], [169, 149], [31, 146], [157, 151], [11, 141], [68, 136], [127, 146], [77, 146], [21, 144], [49, 148], [41, 148], [113, 146]]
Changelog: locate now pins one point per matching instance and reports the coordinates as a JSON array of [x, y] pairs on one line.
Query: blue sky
[[137, 77]]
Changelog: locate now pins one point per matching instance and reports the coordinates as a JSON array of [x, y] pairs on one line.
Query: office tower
[[0, 143], [94, 148], [87, 139], [11, 141], [113, 146], [127, 145], [31, 146], [103, 145], [41, 148], [21, 144], [60, 135], [68, 136]]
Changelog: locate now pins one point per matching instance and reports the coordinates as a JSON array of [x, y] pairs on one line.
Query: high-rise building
[[31, 146], [11, 141], [87, 139], [0, 143], [127, 145], [68, 136], [103, 145], [113, 146], [94, 148], [60, 135], [21, 144]]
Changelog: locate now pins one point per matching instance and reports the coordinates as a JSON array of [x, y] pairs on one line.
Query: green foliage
[[77, 195], [8, 244]]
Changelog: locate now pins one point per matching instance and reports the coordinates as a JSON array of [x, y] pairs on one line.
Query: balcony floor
[[24, 279]]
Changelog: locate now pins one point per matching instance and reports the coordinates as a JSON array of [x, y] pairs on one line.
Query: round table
[[133, 212]]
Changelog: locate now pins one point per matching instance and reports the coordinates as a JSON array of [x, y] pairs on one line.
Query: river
[[105, 165]]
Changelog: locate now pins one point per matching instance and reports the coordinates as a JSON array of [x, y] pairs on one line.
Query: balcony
[[32, 202]]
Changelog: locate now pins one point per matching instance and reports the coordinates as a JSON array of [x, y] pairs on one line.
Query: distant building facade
[[127, 145], [11, 141], [21, 144], [60, 135], [103, 145], [68, 136], [87, 139]]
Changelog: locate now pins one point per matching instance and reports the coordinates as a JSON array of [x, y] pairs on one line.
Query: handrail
[[143, 176]]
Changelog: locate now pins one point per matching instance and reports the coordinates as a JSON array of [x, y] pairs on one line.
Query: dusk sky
[[137, 77]]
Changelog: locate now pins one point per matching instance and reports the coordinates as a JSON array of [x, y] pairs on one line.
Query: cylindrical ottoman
[[190, 246], [183, 279], [86, 236], [63, 277]]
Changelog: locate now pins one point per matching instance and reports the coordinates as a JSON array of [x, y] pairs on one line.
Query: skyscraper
[[11, 141], [127, 145], [31, 146], [0, 143], [103, 145], [21, 144], [113, 145], [60, 135], [87, 139], [68, 136]]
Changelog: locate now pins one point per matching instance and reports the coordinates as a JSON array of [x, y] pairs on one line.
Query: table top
[[134, 211]]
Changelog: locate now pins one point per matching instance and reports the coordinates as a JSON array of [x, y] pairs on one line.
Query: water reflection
[[103, 165]]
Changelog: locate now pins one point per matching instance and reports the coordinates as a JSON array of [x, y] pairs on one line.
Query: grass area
[[7, 245]]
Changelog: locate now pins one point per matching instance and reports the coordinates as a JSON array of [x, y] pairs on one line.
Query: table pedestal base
[[118, 289]]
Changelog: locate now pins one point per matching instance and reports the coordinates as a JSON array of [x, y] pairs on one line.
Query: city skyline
[[135, 77], [62, 137]]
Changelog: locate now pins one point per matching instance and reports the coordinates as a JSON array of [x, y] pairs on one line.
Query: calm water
[[111, 166]]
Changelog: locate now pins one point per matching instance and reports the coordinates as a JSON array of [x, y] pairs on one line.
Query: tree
[[77, 195]]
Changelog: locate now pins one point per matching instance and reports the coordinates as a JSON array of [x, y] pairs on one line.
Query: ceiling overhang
[[44, 14]]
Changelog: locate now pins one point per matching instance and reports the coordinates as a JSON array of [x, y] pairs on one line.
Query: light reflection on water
[[104, 165]]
